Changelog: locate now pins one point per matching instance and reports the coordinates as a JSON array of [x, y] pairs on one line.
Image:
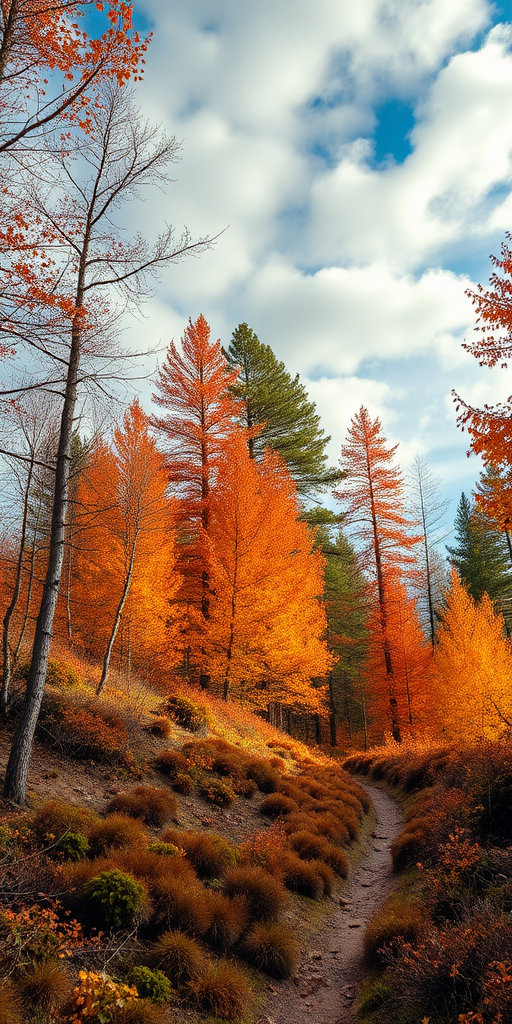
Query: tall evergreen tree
[[279, 405], [480, 554], [347, 606]]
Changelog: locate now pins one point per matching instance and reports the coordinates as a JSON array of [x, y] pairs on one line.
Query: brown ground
[[331, 969]]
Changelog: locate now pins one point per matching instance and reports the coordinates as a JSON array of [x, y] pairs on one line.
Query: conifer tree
[[428, 508], [480, 554], [278, 404]]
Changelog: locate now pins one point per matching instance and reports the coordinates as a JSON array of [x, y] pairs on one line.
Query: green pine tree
[[346, 605], [480, 555], [278, 403]]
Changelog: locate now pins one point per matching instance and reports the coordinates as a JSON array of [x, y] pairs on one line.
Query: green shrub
[[164, 849], [374, 994], [117, 832], [150, 804], [264, 896], [223, 991], [180, 958], [71, 845], [115, 898], [272, 949], [217, 792], [153, 985], [186, 712]]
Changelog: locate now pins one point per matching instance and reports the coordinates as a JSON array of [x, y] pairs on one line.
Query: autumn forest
[[199, 612]]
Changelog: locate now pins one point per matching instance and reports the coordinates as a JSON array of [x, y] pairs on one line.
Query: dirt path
[[331, 969]]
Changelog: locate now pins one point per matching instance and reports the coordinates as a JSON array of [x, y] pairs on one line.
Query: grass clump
[[57, 818], [140, 1011], [179, 904], [266, 778], [117, 832], [153, 985], [299, 876], [397, 919], [210, 855], [272, 949], [277, 804], [222, 991], [310, 847], [114, 898], [10, 1004], [263, 895], [227, 920], [46, 985], [217, 792], [171, 763], [160, 727], [149, 804], [180, 958], [186, 712]]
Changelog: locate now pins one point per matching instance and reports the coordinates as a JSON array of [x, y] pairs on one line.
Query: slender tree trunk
[[118, 616], [28, 601], [16, 773], [8, 36], [332, 714], [509, 543], [6, 647]]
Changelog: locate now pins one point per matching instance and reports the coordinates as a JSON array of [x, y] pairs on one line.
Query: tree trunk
[[16, 773], [118, 615], [6, 647]]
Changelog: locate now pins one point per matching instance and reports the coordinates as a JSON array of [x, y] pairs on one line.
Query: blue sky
[[359, 157]]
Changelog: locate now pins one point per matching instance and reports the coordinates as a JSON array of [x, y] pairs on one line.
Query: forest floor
[[325, 987]]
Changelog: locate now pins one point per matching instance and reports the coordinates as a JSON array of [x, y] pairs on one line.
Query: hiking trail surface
[[331, 969]]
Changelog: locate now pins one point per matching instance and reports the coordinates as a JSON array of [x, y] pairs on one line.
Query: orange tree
[[372, 498]]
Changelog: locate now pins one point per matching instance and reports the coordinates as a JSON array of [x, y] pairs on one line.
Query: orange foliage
[[265, 623], [123, 511], [471, 692], [372, 494]]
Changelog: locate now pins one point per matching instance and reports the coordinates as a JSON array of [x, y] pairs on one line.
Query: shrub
[[299, 876], [492, 819], [178, 905], [209, 854], [183, 783], [150, 865], [222, 991], [272, 949], [148, 803], [171, 762], [140, 1011], [59, 673], [266, 778], [114, 898], [164, 849], [217, 792], [57, 818], [325, 873], [330, 825], [397, 919], [82, 730], [245, 787], [277, 804], [186, 712], [153, 985], [180, 958], [160, 727], [264, 896], [311, 847], [227, 918], [10, 1004], [47, 985], [117, 832], [97, 998]]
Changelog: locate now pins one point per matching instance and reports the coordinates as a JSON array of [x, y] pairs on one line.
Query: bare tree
[[428, 507], [120, 155]]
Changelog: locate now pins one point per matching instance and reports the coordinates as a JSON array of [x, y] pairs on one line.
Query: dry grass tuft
[[222, 992], [263, 895], [149, 804], [180, 957], [117, 832], [272, 949]]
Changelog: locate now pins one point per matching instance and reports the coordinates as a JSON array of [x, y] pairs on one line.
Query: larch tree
[[199, 416], [428, 508], [480, 554], [493, 497], [279, 414], [471, 696], [373, 503], [73, 295], [265, 629]]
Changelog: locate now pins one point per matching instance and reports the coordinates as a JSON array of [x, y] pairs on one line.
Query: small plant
[[140, 1011], [263, 895], [276, 804], [58, 818], [311, 847], [179, 904], [183, 783], [180, 958], [164, 849], [117, 832], [395, 920], [299, 876], [171, 763], [210, 855], [10, 1004], [266, 778], [245, 787], [150, 804], [223, 992], [227, 918], [115, 898], [47, 985], [272, 949], [217, 792], [97, 997], [160, 727], [186, 713], [153, 985], [71, 845]]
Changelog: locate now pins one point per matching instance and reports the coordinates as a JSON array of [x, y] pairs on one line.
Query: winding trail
[[331, 969]]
